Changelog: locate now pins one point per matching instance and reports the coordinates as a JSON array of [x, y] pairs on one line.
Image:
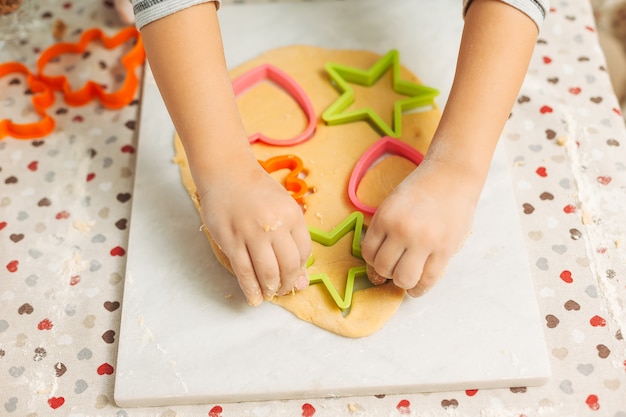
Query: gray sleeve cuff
[[537, 10], [147, 11]]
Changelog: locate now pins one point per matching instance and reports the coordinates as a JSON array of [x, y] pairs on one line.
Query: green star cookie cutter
[[418, 95], [354, 222]]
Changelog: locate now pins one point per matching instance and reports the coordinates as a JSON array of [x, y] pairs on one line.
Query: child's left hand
[[420, 226]]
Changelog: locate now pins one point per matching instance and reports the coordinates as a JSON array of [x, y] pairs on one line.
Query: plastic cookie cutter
[[342, 75], [354, 222], [385, 145], [269, 72], [92, 90], [42, 99], [292, 183]]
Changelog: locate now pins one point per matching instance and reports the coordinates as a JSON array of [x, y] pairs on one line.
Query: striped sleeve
[[537, 10], [147, 11]]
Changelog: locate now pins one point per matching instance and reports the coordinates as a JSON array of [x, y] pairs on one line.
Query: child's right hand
[[261, 230], [255, 222]]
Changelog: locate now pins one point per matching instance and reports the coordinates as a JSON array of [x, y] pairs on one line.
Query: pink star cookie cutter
[[269, 72], [385, 145]]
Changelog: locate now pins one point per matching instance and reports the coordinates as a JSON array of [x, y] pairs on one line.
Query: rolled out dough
[[329, 158]]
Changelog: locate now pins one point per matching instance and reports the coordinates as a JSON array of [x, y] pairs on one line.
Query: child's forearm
[[497, 43], [186, 57]]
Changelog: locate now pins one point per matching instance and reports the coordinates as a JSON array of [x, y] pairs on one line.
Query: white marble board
[[187, 335]]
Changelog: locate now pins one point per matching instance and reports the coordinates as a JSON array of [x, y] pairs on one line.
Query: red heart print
[[597, 321], [547, 60], [542, 172], [569, 209], [592, 402], [128, 149], [307, 410], [45, 324], [33, 166], [12, 266], [3, 225], [74, 280], [566, 276], [471, 392], [62, 215], [404, 407], [575, 90], [91, 176], [617, 111], [56, 402], [118, 251], [545, 109], [216, 411], [105, 369], [604, 180]]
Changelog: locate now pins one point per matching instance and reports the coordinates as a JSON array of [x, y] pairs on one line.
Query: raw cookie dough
[[328, 158]]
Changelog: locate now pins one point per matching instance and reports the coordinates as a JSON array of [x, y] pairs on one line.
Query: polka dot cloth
[[64, 214]]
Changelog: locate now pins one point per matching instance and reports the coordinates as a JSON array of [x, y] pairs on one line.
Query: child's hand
[[261, 230], [419, 227]]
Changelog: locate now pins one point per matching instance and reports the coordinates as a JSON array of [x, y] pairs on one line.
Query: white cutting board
[[187, 335]]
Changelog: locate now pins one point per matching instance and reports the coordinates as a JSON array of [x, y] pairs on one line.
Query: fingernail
[[374, 277], [255, 302], [269, 294], [302, 282], [418, 291], [255, 299]]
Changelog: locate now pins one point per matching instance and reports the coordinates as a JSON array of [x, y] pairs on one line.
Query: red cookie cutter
[[292, 183], [91, 90], [385, 145], [280, 78], [42, 99]]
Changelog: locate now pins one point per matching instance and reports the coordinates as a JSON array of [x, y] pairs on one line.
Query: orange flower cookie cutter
[[271, 73], [42, 99], [92, 90], [383, 146], [292, 183]]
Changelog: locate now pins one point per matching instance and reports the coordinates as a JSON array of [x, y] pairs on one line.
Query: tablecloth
[[65, 202]]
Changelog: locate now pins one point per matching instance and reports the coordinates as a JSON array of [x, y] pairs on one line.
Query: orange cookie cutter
[[42, 98], [92, 90], [293, 183]]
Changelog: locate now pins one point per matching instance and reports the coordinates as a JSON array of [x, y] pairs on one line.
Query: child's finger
[[373, 276], [244, 271], [434, 269], [372, 242], [387, 257], [265, 267], [302, 239], [288, 259], [409, 268]]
